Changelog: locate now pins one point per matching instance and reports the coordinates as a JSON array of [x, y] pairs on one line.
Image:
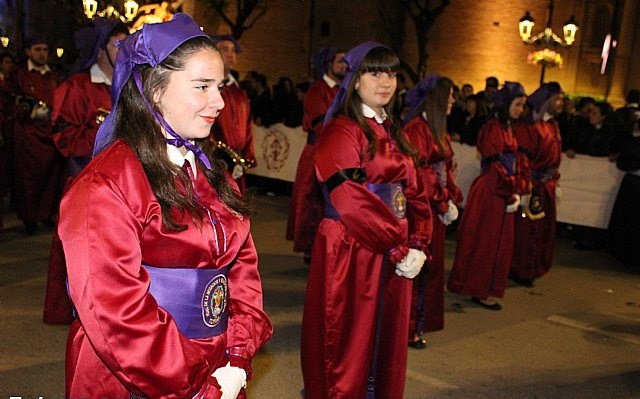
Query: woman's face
[[595, 116], [450, 101], [517, 107], [376, 89], [192, 101]]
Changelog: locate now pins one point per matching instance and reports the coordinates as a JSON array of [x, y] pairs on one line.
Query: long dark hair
[[137, 127], [435, 106], [379, 59], [503, 115]]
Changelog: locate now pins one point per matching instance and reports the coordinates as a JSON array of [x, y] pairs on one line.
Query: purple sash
[[390, 193], [543, 174], [197, 299], [507, 159]]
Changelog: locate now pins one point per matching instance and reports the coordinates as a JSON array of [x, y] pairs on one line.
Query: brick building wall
[[471, 40]]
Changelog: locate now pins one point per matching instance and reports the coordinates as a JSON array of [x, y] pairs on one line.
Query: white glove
[[231, 380], [237, 172], [558, 194], [451, 215], [40, 112], [410, 266], [514, 206]]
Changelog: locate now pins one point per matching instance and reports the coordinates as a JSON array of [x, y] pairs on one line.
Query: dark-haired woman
[[430, 102], [486, 231], [162, 267], [356, 311]]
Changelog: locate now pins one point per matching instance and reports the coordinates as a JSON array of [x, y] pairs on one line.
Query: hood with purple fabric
[[89, 40], [353, 58], [539, 98], [229, 38], [507, 94], [150, 45], [321, 58], [417, 95]]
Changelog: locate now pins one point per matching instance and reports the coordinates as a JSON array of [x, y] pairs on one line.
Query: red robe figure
[[486, 230], [429, 102], [540, 148], [6, 127], [80, 104], [163, 271], [234, 126], [37, 166], [305, 209], [356, 310]]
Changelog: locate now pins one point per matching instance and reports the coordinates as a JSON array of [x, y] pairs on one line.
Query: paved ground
[[576, 334]]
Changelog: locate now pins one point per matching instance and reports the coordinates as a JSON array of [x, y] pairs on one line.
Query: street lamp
[[547, 38], [130, 10]]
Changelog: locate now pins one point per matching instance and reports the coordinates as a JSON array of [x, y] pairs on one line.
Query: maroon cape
[[427, 310], [306, 207], [76, 105], [37, 165], [541, 147], [234, 125], [485, 233], [351, 262], [122, 341]]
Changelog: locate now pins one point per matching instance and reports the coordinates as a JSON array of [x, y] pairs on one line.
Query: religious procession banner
[[278, 148], [589, 185]]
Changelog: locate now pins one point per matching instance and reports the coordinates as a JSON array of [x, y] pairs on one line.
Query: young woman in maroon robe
[[485, 234], [430, 102], [540, 152], [305, 210], [356, 311], [162, 268]]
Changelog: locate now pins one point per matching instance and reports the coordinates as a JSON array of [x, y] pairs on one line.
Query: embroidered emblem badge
[[399, 203], [214, 301]]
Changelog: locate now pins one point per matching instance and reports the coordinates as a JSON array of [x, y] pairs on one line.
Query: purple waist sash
[[507, 159], [390, 193], [543, 174], [197, 299]]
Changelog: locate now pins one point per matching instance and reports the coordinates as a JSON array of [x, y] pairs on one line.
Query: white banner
[[278, 150], [589, 184]]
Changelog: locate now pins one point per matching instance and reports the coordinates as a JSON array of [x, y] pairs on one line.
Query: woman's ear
[[156, 97]]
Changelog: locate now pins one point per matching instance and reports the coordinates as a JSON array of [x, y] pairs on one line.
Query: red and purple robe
[[305, 209], [122, 341], [435, 176], [486, 231], [353, 256], [540, 147]]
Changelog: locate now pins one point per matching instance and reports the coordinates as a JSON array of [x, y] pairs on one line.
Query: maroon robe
[[427, 310], [77, 104], [122, 341], [234, 125], [37, 165], [485, 233], [305, 209], [351, 259], [541, 146]]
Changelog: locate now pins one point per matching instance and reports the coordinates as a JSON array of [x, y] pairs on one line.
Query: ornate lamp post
[[130, 10], [547, 38]]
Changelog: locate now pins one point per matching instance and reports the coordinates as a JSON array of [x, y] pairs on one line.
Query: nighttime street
[[576, 334]]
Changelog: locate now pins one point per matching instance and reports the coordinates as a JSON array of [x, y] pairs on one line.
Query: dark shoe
[[524, 282], [493, 306], [420, 343]]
